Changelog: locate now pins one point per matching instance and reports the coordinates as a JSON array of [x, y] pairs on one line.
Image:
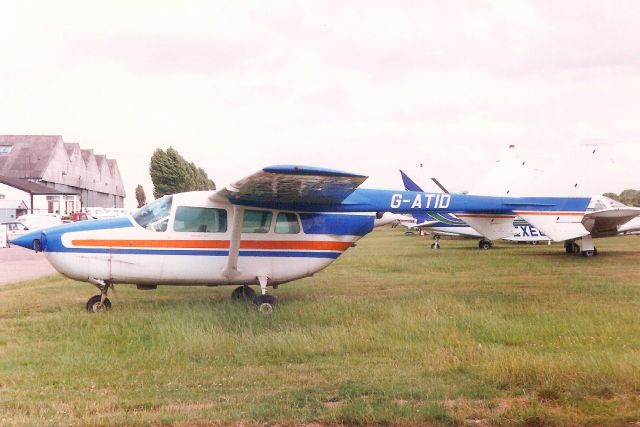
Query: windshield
[[155, 215]]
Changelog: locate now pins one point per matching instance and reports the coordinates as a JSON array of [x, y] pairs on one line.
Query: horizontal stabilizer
[[607, 221], [491, 226], [292, 186], [558, 226]]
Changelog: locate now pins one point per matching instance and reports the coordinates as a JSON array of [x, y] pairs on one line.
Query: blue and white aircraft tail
[[278, 225]]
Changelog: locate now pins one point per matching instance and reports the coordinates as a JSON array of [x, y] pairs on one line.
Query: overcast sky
[[363, 86]]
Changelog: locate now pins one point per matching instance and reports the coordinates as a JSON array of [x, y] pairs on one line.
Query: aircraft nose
[[32, 240]]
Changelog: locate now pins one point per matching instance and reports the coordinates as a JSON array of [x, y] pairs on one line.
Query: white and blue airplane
[[280, 224], [604, 217], [449, 224]]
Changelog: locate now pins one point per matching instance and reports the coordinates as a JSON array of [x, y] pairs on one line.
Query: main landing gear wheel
[[243, 293], [435, 245], [485, 244], [589, 254], [265, 303], [572, 248], [96, 305]]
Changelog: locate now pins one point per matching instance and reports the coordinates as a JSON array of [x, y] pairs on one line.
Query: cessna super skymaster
[[280, 224]]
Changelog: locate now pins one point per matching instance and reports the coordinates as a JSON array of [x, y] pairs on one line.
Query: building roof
[[30, 155], [49, 159], [31, 187], [12, 204]]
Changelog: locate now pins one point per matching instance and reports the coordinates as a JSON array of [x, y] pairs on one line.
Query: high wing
[[285, 185]]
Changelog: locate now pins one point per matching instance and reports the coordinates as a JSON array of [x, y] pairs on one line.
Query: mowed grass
[[393, 333]]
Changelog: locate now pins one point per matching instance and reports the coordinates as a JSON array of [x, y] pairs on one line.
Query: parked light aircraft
[[277, 225], [605, 217], [448, 224], [536, 173]]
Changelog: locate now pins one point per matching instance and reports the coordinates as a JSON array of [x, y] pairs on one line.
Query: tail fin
[[409, 184]]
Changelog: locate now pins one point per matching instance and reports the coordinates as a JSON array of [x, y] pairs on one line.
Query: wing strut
[[231, 270], [435, 180]]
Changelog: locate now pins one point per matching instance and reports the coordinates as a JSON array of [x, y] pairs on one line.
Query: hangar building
[[50, 175]]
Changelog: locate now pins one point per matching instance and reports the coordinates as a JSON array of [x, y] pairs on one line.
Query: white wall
[[11, 193], [40, 204]]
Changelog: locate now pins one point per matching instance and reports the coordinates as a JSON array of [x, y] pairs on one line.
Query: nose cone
[[27, 240]]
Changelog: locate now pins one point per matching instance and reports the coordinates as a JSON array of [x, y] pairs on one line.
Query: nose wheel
[[96, 304]]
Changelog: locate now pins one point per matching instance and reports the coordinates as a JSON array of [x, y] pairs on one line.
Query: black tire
[[588, 254], [93, 304], [265, 299], [435, 245], [265, 303], [243, 293], [485, 244]]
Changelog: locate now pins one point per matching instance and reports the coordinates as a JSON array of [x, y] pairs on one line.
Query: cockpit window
[[287, 223], [256, 221], [155, 215], [200, 220]]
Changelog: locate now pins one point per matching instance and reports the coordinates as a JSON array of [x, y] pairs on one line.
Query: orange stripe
[[214, 244], [182, 244]]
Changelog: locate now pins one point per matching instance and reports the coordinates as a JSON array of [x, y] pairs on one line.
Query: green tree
[[629, 197], [613, 196], [141, 197], [171, 173]]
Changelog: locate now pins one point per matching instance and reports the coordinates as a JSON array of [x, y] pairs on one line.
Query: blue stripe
[[278, 254], [263, 254]]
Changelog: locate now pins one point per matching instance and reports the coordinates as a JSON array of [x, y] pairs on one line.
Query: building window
[[5, 149], [1, 196]]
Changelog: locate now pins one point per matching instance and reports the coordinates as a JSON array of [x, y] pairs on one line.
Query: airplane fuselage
[[191, 245]]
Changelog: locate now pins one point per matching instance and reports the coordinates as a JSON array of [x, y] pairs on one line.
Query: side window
[[200, 220], [287, 223], [256, 221]]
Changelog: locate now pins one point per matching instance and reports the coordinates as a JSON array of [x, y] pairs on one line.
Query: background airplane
[[521, 172]]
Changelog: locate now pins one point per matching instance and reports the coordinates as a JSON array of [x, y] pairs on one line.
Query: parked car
[[37, 221], [76, 216], [15, 229]]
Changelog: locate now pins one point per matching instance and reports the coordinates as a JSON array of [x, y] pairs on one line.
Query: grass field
[[392, 333]]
